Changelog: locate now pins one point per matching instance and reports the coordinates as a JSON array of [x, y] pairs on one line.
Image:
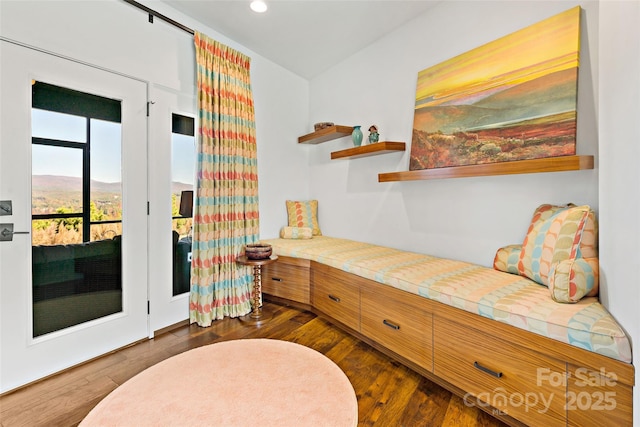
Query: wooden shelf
[[550, 164], [326, 134], [369, 150]]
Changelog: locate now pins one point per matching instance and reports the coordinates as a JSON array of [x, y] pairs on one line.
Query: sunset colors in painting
[[511, 99]]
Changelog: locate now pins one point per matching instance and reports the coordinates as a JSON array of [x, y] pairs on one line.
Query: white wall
[[619, 131], [465, 218], [469, 218]]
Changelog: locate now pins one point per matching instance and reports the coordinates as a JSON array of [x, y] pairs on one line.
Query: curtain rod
[[153, 13]]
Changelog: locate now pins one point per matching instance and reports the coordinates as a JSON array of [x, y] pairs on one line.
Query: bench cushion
[[504, 297]]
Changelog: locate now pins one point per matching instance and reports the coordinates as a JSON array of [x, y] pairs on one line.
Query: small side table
[[257, 315]]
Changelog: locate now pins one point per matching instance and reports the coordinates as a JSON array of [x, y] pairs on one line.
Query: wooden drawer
[[288, 278], [400, 321], [516, 381], [336, 294], [598, 399]]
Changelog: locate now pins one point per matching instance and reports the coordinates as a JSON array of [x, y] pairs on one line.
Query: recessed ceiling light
[[258, 6]]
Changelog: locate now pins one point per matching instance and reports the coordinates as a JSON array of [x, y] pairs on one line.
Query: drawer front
[[397, 320], [286, 281], [518, 382], [598, 398], [335, 296]]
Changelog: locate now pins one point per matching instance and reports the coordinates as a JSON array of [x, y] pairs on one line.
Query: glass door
[[172, 161], [73, 165], [76, 207]]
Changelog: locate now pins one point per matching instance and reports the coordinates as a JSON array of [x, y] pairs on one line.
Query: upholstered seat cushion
[[504, 297]]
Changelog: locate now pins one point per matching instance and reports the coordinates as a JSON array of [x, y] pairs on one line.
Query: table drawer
[[519, 382], [335, 295], [398, 320], [287, 280]]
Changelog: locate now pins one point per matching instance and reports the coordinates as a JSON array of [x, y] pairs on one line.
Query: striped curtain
[[226, 205]]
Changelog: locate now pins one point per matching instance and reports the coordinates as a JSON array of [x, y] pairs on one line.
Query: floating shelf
[[549, 164], [369, 150], [326, 134]]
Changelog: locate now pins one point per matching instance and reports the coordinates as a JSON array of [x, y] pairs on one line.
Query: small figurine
[[373, 134]]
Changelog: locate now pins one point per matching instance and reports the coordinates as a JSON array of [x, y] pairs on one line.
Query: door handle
[[6, 207], [6, 232]]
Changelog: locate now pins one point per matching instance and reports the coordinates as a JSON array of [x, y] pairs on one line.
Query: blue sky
[[183, 155], [105, 149]]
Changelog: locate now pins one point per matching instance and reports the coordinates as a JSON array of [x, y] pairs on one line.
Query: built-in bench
[[495, 338]]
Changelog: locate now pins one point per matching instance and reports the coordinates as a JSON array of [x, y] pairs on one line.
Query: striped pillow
[[304, 214]]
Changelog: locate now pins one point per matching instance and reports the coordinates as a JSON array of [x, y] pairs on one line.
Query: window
[[76, 176], [183, 159]]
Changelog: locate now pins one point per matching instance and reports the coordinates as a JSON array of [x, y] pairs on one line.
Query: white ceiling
[[306, 37]]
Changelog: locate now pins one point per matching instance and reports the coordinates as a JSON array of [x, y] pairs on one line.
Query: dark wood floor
[[389, 394]]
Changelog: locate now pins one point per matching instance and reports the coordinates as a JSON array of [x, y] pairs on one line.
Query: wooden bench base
[[519, 377]]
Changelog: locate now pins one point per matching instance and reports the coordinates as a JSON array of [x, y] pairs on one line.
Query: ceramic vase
[[356, 136]]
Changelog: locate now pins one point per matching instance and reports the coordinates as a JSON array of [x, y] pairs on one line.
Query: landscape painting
[[512, 99]]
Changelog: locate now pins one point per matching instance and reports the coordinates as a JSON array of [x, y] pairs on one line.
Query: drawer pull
[[391, 325], [331, 297], [487, 370], [277, 279]]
